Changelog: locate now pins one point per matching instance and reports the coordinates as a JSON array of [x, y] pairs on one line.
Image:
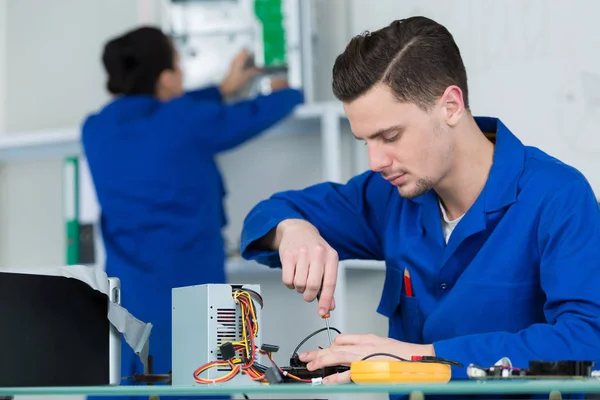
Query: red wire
[[248, 366]]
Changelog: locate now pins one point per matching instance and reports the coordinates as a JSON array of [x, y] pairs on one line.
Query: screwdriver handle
[[319, 299]]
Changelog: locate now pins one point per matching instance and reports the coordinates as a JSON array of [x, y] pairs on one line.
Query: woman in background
[[151, 153]]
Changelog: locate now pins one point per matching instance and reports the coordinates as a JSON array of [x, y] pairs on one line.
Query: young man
[[501, 241]]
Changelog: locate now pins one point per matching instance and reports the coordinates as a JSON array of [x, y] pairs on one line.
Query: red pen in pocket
[[407, 283]]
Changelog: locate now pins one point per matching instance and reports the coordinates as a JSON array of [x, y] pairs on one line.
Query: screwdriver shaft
[[326, 318], [328, 331]]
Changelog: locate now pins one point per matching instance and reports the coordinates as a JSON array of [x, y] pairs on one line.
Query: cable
[[240, 355], [384, 354], [285, 373], [310, 336], [254, 294], [247, 346]]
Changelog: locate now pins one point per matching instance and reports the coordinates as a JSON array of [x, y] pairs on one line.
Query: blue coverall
[[161, 195], [519, 277]]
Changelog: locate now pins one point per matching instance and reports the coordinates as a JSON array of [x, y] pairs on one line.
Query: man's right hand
[[308, 262]]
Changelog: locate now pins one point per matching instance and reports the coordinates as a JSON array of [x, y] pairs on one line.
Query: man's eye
[[390, 139]]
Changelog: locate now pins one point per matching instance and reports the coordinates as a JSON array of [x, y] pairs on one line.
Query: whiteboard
[[535, 64]]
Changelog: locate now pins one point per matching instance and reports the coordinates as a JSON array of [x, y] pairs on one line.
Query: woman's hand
[[239, 74], [348, 348], [279, 84]]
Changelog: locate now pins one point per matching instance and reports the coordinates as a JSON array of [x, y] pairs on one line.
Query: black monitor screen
[[54, 332]]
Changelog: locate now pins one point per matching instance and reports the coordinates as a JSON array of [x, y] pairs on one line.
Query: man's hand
[[308, 262], [348, 348], [239, 74]]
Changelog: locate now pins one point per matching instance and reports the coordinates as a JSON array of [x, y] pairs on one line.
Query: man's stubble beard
[[423, 186]]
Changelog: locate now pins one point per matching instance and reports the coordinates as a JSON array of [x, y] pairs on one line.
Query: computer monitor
[[56, 332]]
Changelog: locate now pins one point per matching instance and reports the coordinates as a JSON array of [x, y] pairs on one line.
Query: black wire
[[384, 354], [311, 335], [245, 396]]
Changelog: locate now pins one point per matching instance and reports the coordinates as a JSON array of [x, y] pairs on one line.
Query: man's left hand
[[347, 348]]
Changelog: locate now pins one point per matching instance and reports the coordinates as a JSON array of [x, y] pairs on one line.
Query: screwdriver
[[326, 318]]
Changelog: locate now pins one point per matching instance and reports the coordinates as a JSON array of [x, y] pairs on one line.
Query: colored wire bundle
[[230, 352]]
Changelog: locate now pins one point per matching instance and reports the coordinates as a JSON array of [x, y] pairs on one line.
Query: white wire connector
[[285, 373], [317, 381]]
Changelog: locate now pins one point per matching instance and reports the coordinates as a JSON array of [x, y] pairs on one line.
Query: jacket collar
[[509, 159]]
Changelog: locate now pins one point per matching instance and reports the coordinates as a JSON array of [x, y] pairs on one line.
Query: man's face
[[410, 147]]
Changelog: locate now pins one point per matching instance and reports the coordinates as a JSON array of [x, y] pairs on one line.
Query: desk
[[466, 387]]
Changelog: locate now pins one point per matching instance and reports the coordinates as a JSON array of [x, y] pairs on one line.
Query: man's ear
[[452, 105]]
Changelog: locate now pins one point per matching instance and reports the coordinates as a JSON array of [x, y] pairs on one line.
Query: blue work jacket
[[161, 194], [519, 277]]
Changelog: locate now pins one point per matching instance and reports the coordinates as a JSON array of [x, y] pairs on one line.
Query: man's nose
[[378, 160]]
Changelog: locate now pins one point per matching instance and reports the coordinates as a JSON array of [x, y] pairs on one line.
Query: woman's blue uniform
[[161, 195]]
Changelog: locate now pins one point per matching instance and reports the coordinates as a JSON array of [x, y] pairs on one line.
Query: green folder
[[71, 209]]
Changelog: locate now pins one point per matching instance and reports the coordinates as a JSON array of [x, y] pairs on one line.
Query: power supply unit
[[206, 317]]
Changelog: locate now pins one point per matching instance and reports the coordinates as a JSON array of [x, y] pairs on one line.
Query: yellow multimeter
[[405, 371]]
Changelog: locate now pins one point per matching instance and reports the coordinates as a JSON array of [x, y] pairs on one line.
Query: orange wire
[[248, 367]]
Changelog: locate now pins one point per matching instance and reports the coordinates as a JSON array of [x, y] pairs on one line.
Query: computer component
[[503, 369], [217, 340], [216, 328], [58, 334]]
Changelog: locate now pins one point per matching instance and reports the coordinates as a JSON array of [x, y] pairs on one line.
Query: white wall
[[54, 70], [3, 24], [333, 21]]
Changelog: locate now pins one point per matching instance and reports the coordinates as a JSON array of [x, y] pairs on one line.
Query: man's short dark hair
[[416, 57]]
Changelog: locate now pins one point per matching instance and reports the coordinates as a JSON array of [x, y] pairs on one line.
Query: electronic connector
[[227, 351], [269, 348], [273, 376]]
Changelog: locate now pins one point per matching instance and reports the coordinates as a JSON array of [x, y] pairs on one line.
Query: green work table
[[466, 387]]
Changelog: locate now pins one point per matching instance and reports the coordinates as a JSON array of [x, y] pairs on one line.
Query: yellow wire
[[244, 328], [252, 309], [244, 342]]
